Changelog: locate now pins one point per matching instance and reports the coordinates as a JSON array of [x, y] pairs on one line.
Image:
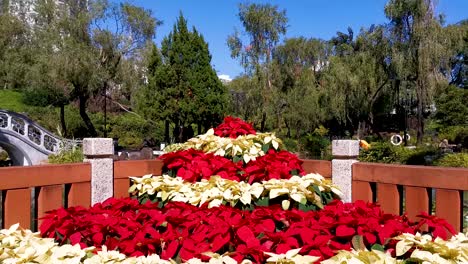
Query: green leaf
[[294, 172], [317, 190], [307, 207], [265, 201], [378, 247], [358, 242], [265, 147], [237, 158]]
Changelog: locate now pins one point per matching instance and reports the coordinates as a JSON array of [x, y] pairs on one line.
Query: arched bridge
[[26, 142]]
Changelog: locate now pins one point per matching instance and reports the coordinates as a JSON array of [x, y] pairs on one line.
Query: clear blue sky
[[216, 19]]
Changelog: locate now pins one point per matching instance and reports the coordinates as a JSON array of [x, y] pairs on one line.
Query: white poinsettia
[[292, 256], [249, 147], [217, 191], [362, 257]]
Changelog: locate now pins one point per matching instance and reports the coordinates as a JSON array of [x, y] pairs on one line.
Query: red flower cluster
[[233, 127], [185, 231], [273, 165], [194, 165]]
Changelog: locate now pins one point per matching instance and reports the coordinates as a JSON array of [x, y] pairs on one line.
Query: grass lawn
[[11, 100]]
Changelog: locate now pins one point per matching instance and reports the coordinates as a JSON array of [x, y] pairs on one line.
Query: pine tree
[[183, 89]]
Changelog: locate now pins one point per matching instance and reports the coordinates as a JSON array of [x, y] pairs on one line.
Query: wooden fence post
[[99, 152], [345, 153]]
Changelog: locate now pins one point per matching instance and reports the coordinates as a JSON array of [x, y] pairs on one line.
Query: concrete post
[[98, 152], [345, 153]]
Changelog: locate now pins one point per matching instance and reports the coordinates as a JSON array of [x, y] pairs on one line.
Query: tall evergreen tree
[[183, 86]]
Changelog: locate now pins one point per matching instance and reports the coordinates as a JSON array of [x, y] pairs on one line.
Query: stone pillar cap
[[345, 148], [98, 147]]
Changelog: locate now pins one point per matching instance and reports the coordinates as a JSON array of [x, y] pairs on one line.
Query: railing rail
[[413, 189], [28, 192]]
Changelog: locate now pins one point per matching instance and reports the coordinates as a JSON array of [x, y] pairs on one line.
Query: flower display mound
[[181, 231], [235, 152]]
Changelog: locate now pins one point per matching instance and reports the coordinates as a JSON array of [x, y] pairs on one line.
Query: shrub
[[131, 130], [384, 152], [455, 135], [67, 156], [315, 145], [381, 152], [453, 160]]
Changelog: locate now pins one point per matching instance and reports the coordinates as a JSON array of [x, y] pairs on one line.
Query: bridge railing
[[32, 132]]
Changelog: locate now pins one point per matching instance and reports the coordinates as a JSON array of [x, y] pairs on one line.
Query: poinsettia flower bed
[[181, 231], [302, 192], [23, 246]]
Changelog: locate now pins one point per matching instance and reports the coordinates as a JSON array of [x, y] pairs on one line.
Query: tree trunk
[[166, 132], [288, 134], [420, 123], [89, 125], [263, 123], [62, 120]]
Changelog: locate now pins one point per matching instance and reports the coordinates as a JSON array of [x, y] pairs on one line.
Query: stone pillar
[[345, 153], [99, 152]]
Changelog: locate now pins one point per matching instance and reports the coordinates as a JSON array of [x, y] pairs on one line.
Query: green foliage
[[452, 106], [12, 100], [315, 145], [384, 152], [455, 135], [74, 155], [183, 87], [453, 160], [380, 152], [131, 130]]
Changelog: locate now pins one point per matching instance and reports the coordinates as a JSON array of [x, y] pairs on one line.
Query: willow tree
[[418, 49], [264, 25], [297, 69], [83, 49]]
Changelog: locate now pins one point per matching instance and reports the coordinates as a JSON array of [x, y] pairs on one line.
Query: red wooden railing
[[411, 189], [28, 192]]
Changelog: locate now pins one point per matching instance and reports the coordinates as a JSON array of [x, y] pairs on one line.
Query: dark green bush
[[315, 145], [290, 144], [453, 160], [131, 130], [384, 152], [381, 152]]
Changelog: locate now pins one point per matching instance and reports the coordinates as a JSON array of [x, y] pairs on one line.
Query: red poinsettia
[[233, 127], [273, 165], [185, 231], [194, 165]]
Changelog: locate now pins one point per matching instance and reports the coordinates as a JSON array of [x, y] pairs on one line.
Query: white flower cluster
[[23, 246], [425, 251], [249, 147], [217, 190]]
